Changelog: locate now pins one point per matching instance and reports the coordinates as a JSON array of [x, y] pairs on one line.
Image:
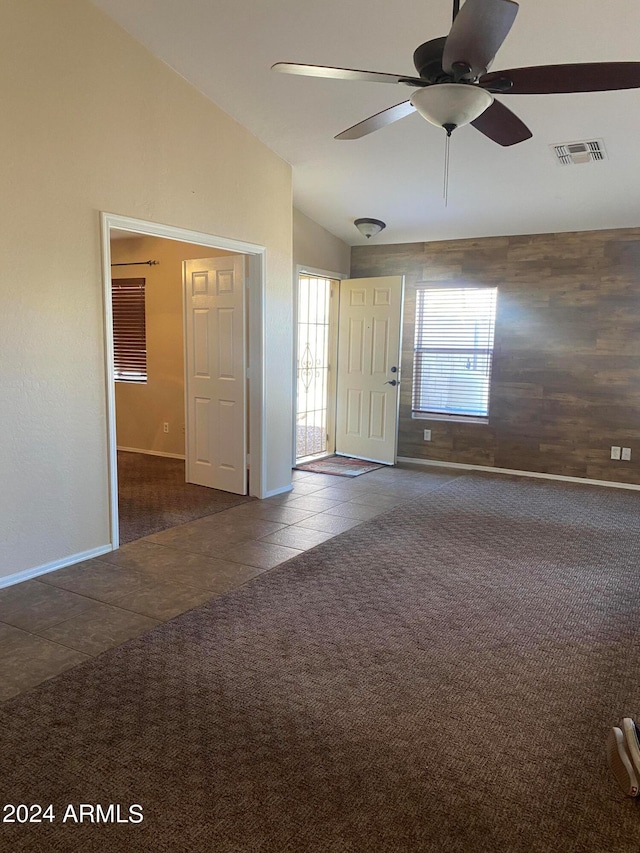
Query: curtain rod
[[137, 263]]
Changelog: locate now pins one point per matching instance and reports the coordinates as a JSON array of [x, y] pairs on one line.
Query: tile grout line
[[47, 640]]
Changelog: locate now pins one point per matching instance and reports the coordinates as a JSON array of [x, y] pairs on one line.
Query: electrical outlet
[[166, 426], [626, 454], [615, 452], [427, 435]]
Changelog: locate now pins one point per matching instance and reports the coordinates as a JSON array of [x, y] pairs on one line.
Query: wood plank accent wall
[[566, 372]]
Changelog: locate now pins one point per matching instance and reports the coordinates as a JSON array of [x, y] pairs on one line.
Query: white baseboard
[[280, 491], [28, 574], [538, 475], [152, 452]]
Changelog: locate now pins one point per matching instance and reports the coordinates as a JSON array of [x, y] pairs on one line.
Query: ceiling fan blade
[[558, 79], [375, 122], [501, 125], [346, 74], [478, 31]]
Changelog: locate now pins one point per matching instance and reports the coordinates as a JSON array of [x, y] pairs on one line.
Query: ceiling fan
[[455, 88]]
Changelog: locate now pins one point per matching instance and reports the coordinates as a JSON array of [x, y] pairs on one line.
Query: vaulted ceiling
[[226, 48]]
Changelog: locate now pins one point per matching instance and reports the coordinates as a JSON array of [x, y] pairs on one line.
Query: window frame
[[419, 406]]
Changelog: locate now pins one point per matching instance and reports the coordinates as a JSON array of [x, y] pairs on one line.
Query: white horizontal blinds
[[454, 350], [129, 330]]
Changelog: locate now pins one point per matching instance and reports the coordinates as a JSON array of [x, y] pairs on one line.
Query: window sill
[[457, 419]]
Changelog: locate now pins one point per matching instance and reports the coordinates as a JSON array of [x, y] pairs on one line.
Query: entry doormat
[[341, 466]]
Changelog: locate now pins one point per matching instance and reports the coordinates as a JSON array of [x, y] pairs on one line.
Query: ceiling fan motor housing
[[428, 60]]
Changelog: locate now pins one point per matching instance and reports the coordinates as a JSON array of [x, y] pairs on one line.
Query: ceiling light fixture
[[369, 227], [451, 105]]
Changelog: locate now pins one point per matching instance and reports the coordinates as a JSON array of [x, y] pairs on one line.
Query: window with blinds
[[129, 330], [453, 350]]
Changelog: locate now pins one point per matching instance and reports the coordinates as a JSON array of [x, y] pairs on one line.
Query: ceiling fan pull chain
[[445, 187]]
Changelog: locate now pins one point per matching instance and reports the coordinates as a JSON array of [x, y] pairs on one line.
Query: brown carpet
[[153, 496], [439, 679]]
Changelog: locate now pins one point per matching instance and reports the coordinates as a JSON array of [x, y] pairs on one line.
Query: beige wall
[[317, 248], [92, 122], [565, 384], [142, 409]]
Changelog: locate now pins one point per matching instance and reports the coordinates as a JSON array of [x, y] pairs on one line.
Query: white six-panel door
[[216, 373], [368, 367]]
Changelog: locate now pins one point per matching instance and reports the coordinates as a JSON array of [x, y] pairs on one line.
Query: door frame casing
[[256, 290], [304, 269]]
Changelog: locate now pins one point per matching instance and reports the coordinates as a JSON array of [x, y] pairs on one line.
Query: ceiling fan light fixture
[[369, 227], [451, 105]]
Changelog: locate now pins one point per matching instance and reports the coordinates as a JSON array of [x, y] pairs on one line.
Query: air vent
[[574, 153]]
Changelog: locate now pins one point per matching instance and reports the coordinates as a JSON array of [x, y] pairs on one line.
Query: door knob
[[391, 382]]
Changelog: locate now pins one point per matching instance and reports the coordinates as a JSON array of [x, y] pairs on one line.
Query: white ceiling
[[226, 48]]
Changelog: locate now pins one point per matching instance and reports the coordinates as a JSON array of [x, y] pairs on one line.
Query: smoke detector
[[574, 153]]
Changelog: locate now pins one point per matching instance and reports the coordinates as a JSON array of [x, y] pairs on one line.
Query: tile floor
[[63, 618]]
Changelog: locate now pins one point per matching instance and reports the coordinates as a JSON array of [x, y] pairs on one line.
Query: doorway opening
[[317, 301], [162, 422], [153, 330]]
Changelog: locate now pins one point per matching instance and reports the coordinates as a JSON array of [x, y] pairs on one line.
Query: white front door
[[369, 367], [216, 373]]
